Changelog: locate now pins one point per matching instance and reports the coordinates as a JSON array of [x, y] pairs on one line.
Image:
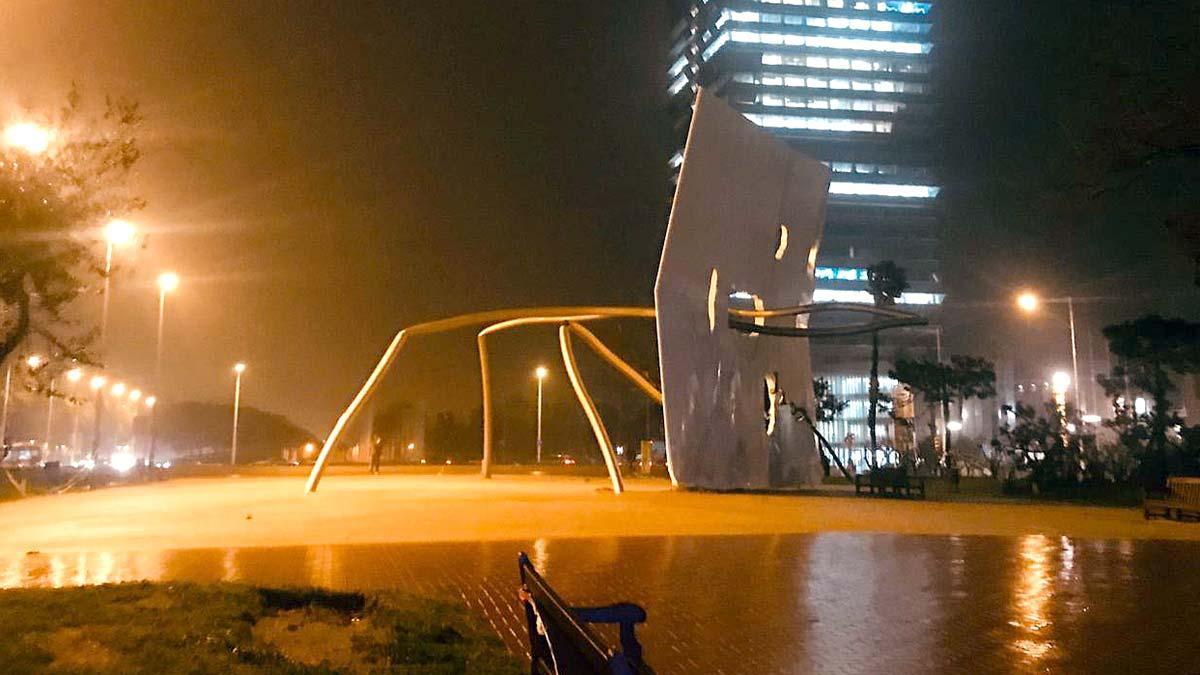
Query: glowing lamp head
[[97, 382], [309, 448], [954, 425], [239, 368], [168, 282], [118, 389], [75, 374], [27, 136], [1060, 381], [35, 361], [135, 395], [150, 401], [119, 232], [541, 372], [1028, 301]]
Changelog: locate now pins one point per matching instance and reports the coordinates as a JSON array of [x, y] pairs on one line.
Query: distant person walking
[[376, 453]]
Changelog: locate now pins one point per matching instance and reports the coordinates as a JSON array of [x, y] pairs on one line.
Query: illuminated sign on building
[[842, 273]]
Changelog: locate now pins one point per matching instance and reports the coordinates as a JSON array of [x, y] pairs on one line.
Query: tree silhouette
[[886, 282]]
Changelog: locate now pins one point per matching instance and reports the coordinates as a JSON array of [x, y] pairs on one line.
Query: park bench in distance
[[562, 643], [1181, 501], [893, 481]]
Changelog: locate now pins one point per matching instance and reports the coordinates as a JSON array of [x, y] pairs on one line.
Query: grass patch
[[226, 628]]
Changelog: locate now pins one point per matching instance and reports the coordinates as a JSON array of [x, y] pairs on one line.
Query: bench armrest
[[622, 612], [627, 615]]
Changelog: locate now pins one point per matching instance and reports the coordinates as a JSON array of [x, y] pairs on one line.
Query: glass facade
[[849, 83]]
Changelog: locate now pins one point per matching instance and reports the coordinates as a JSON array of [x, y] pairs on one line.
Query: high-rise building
[[847, 82]]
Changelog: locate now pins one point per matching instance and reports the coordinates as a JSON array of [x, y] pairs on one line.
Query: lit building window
[[883, 190], [828, 42], [819, 123]]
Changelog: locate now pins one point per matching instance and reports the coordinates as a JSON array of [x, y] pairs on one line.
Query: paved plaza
[[819, 584]]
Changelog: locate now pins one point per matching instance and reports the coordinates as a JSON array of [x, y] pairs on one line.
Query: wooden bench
[[562, 643], [889, 482], [1180, 502]]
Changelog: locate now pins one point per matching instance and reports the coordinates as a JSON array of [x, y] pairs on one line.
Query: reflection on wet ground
[[827, 603]]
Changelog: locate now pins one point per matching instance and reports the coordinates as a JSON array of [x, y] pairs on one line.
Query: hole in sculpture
[[712, 301], [783, 242], [769, 408]]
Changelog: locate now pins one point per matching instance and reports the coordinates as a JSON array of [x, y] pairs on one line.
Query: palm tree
[[886, 281]]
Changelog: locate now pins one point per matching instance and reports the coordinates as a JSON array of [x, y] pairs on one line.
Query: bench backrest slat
[[574, 642]]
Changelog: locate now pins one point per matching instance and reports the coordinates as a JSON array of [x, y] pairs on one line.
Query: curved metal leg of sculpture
[[589, 408], [617, 362], [507, 318], [485, 374], [485, 466], [368, 388]]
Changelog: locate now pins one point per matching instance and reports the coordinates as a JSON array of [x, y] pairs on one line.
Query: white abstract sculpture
[[744, 229]]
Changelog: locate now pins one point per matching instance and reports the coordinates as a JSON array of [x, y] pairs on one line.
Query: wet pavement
[[799, 603]]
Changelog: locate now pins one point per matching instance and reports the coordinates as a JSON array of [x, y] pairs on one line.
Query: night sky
[[322, 174]]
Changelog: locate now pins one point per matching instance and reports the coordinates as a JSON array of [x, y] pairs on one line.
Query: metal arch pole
[[485, 378], [314, 477], [505, 316], [485, 467], [617, 362], [4, 415], [549, 315], [816, 308], [589, 408]]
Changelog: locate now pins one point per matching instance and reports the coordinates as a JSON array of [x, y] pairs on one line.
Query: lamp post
[[97, 385], [1029, 302], [238, 369], [34, 362], [74, 375], [150, 405], [167, 283], [46, 446], [118, 393], [540, 373], [4, 414], [117, 233]]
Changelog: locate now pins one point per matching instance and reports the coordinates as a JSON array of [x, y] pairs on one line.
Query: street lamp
[[540, 374], [4, 414], [151, 405], [168, 282], [238, 369], [117, 233], [74, 375], [97, 384], [27, 136], [1029, 302], [34, 362]]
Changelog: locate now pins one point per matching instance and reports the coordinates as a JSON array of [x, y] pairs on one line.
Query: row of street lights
[[119, 391], [35, 139]]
